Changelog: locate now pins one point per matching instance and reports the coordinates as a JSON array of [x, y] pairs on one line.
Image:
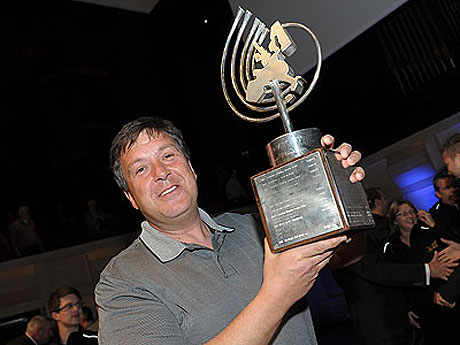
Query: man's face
[[452, 164], [69, 311], [161, 181], [446, 192]]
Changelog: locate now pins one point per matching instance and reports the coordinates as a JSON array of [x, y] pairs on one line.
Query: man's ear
[[191, 168], [55, 316], [131, 199], [438, 195]]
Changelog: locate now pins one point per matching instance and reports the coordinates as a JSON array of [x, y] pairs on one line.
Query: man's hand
[[414, 319], [437, 299], [349, 252], [441, 270], [426, 217], [451, 253], [289, 275], [348, 157]]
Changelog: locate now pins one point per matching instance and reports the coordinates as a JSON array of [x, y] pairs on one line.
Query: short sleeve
[[129, 314]]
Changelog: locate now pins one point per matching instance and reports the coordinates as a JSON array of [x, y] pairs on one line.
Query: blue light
[[416, 186], [414, 175], [422, 198]]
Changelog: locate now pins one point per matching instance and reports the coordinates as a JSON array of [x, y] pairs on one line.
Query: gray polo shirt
[[161, 291]]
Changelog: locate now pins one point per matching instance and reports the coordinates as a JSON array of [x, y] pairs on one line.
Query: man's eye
[[140, 170], [169, 155]]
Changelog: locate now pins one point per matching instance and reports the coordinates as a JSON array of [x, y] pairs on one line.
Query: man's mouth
[[169, 190]]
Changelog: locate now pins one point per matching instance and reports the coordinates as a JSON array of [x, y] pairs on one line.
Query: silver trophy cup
[[306, 195]]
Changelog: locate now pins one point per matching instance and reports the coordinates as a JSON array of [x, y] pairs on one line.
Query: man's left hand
[[345, 154]]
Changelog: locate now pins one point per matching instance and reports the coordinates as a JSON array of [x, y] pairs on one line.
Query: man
[[65, 305], [451, 155], [372, 287], [24, 236], [449, 293], [38, 331], [88, 321], [192, 279], [445, 211]]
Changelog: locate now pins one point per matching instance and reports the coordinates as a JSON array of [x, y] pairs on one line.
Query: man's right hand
[[441, 270], [289, 275]]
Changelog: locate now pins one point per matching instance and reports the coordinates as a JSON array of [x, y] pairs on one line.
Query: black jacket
[[439, 324], [82, 337], [447, 220], [22, 340], [372, 288]]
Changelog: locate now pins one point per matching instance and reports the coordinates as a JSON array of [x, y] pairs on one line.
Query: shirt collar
[[167, 248], [28, 336]]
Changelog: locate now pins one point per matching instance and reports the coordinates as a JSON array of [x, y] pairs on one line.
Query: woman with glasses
[[415, 239], [65, 305]]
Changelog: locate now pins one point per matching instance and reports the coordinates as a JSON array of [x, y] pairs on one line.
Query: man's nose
[[160, 171]]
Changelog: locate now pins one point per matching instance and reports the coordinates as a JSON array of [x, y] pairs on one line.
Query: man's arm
[[288, 276]]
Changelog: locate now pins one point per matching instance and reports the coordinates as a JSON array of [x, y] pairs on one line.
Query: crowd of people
[[193, 278], [406, 288], [67, 322]]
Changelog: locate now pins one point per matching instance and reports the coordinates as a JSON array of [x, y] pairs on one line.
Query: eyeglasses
[[406, 213], [69, 306]]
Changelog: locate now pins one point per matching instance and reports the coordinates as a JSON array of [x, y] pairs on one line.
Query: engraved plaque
[[309, 198]]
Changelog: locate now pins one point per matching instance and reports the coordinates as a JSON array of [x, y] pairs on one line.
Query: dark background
[[71, 74]]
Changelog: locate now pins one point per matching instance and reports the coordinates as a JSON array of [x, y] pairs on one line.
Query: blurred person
[[5, 248], [193, 279], [39, 331], [415, 238], [451, 155], [96, 220], [373, 288], [65, 307], [24, 236], [88, 320], [235, 192], [445, 211], [447, 215]]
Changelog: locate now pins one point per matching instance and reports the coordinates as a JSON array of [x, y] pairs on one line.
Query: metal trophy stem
[[293, 144], [275, 87]]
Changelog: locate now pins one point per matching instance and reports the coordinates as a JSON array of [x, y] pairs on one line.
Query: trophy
[[306, 195]]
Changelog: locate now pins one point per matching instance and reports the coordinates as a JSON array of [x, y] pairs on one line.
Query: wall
[[26, 283], [406, 168]]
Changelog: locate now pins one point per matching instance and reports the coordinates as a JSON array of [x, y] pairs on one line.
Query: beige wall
[[26, 283]]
